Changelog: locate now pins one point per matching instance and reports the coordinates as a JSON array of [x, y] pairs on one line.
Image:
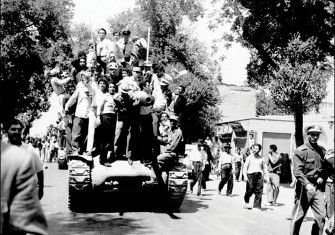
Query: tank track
[[80, 185], [177, 187]]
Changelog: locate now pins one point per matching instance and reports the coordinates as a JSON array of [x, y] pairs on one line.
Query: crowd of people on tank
[[117, 104]]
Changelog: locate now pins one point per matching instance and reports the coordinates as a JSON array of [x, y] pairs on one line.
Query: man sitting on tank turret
[[174, 148]]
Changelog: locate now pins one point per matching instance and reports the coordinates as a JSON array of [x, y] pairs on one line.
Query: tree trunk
[[298, 121]]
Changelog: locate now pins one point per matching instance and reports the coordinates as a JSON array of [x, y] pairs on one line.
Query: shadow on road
[[191, 205], [77, 223]]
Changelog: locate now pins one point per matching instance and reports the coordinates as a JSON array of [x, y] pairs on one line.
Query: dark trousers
[[197, 176], [226, 176], [104, 135], [126, 138], [237, 170], [79, 134], [166, 160], [62, 139], [146, 138], [304, 200], [68, 133], [254, 186], [205, 172]]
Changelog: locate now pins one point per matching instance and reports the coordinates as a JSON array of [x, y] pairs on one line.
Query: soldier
[[308, 168]]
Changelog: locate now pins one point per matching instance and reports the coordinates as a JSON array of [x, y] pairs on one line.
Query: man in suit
[[21, 211]]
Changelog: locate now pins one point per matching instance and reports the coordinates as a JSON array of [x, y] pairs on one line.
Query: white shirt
[[84, 100], [238, 157], [104, 47], [58, 84], [255, 164], [226, 158]]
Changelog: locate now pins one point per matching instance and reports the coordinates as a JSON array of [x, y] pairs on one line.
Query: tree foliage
[[33, 34], [129, 20], [172, 42], [81, 37], [289, 43], [169, 42], [265, 105], [201, 110]]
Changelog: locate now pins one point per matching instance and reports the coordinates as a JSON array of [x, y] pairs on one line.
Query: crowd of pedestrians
[[312, 168]]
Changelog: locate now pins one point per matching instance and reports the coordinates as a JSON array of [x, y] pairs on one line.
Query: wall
[[285, 125], [238, 102]]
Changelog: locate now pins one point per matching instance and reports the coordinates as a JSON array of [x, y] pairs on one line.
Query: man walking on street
[[255, 171], [226, 165], [274, 164], [238, 159], [309, 169], [198, 158]]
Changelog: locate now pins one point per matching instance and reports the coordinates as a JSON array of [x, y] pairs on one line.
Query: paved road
[[208, 214]]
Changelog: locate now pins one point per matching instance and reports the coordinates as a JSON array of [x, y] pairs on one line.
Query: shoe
[[198, 194], [269, 204], [219, 192], [247, 206], [257, 209], [130, 162], [229, 195]]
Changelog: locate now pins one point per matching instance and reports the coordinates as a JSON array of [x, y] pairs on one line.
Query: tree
[[289, 43], [201, 110], [129, 20], [172, 43], [169, 43], [265, 105], [33, 34], [82, 36]]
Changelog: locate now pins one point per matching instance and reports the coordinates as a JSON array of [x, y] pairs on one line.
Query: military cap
[[314, 128]]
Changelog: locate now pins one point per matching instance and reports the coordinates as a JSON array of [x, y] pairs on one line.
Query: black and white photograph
[[167, 117]]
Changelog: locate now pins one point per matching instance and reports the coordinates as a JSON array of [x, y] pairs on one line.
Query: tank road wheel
[[80, 184], [177, 187]]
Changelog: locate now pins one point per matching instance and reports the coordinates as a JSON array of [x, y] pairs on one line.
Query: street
[[208, 214]]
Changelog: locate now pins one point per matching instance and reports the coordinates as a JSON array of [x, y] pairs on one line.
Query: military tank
[[96, 187]]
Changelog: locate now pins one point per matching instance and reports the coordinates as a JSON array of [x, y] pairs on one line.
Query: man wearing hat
[[133, 80], [113, 73], [227, 167], [124, 44], [175, 146], [309, 170], [127, 126]]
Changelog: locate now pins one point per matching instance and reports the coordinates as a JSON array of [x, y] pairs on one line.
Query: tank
[[121, 186]]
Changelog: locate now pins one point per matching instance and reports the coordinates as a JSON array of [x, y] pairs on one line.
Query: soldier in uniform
[[309, 169]]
